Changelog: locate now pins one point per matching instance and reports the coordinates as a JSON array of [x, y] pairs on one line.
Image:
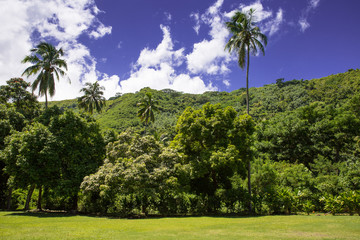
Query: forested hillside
[[336, 90]]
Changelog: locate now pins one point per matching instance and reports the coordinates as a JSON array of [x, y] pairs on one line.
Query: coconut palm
[[147, 107], [246, 39], [46, 60], [93, 97]]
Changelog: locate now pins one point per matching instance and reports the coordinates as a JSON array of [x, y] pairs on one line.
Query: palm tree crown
[[46, 60], [93, 97], [147, 107]]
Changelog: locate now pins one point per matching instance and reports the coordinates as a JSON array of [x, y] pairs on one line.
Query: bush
[[351, 201], [332, 204], [308, 207]]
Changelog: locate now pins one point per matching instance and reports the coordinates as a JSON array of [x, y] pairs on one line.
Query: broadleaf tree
[[215, 144]]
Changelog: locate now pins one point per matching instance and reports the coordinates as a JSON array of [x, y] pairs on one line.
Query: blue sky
[[128, 45]]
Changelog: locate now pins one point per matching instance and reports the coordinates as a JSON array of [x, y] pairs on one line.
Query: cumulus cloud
[[268, 23], [208, 56], [156, 68], [163, 53], [101, 31], [61, 22], [260, 13]]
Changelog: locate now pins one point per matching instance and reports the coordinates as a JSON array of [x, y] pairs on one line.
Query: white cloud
[[155, 68], [214, 9], [314, 3], [62, 22], [163, 53], [273, 25], [226, 83], [111, 85], [208, 56], [168, 16], [260, 14], [264, 17], [303, 24], [196, 17], [101, 31]]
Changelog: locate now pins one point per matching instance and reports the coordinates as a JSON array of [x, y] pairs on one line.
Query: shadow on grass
[[46, 214], [41, 214]]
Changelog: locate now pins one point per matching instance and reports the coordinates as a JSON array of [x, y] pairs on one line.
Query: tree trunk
[[39, 199], [9, 199], [28, 198], [247, 111], [247, 83], [46, 101], [74, 203]]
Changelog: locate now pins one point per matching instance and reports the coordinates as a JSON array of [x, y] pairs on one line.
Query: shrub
[[332, 204]]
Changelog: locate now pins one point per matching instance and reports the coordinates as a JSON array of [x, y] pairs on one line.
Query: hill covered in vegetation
[[265, 102]]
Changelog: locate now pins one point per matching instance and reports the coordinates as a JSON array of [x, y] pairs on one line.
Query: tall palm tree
[[147, 107], [46, 60], [93, 97], [246, 38]]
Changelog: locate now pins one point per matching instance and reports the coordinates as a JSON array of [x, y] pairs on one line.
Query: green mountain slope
[[265, 102]]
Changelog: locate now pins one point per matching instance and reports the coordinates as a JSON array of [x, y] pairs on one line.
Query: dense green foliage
[[302, 137]]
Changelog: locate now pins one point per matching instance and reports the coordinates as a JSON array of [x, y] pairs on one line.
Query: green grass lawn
[[20, 225]]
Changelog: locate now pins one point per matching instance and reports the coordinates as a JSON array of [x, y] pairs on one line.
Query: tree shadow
[[57, 214], [41, 214]]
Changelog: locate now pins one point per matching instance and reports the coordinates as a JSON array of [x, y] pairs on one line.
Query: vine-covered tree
[[46, 60], [93, 97], [246, 38]]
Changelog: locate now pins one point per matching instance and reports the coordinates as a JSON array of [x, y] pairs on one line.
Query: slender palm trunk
[[247, 82], [247, 111], [46, 101]]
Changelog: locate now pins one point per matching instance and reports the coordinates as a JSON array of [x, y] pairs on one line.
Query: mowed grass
[[20, 225]]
